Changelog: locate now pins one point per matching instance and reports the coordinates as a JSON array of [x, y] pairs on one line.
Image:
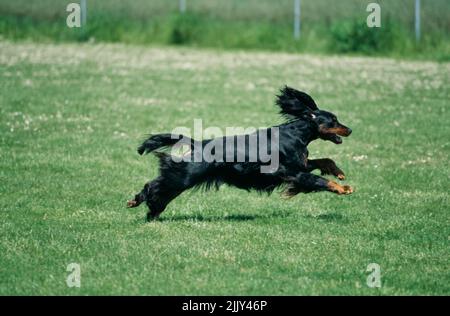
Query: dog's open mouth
[[333, 134], [334, 138]]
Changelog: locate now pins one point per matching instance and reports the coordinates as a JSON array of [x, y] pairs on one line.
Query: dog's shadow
[[217, 218], [329, 217], [325, 217]]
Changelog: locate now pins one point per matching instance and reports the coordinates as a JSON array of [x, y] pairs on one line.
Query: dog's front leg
[[326, 166], [308, 182]]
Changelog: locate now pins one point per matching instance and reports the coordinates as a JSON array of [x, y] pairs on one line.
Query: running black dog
[[237, 167]]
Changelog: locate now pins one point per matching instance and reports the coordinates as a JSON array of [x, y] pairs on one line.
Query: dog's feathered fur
[[305, 123]]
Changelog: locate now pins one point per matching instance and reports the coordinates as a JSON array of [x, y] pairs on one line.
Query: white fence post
[[182, 6], [297, 11], [417, 20], [83, 5]]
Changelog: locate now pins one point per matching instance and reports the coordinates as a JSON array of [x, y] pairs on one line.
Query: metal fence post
[[83, 5], [417, 20], [182, 6], [297, 12]]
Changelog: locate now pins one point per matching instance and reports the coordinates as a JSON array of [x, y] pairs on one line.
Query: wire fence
[[297, 16], [297, 19], [419, 17]]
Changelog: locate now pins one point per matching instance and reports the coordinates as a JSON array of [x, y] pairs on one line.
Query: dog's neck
[[306, 130], [312, 132]]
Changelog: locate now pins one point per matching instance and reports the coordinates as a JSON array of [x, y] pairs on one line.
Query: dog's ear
[[294, 103]]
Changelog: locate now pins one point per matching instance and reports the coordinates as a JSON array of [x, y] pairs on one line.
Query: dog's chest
[[301, 160]]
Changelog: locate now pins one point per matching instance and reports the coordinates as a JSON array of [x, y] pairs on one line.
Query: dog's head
[[295, 104], [329, 127]]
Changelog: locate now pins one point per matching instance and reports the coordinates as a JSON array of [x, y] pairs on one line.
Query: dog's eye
[[313, 116]]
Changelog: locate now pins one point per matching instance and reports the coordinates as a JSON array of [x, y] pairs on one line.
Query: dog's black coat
[[305, 123]]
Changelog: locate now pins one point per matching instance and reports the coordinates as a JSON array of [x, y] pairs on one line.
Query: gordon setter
[[304, 123]]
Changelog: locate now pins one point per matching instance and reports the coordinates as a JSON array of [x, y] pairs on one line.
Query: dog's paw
[[347, 189], [339, 189], [132, 203], [340, 176]]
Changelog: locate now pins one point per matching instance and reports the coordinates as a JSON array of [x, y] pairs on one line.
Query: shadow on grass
[[216, 218], [329, 217]]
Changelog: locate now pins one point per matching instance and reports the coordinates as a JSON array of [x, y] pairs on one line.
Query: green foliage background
[[327, 26]]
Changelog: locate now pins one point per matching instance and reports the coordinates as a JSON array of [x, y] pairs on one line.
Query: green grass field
[[73, 114]]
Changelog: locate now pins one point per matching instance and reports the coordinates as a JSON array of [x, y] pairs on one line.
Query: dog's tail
[[163, 140]]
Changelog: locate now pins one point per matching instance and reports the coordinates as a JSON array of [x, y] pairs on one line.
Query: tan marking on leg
[[131, 203], [339, 189]]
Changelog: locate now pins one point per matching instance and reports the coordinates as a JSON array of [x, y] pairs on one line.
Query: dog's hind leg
[[157, 194], [175, 177], [307, 182], [140, 197]]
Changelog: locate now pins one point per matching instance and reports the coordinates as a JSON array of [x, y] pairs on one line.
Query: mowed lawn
[[71, 119]]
